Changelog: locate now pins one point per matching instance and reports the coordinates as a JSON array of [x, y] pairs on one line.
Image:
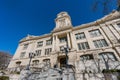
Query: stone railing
[[16, 69], [40, 67]]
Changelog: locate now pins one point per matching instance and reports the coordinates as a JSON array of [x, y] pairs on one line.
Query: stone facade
[[89, 46]]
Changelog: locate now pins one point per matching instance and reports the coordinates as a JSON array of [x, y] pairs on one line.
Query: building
[[98, 40]]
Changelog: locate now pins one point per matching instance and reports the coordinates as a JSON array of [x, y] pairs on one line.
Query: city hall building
[[98, 40]]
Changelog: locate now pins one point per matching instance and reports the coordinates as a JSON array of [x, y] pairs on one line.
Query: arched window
[[18, 63], [35, 62], [46, 61], [107, 56], [86, 57]]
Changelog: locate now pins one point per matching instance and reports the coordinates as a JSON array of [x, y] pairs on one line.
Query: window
[[18, 63], [83, 46], [25, 46], [95, 33], [46, 61], [100, 43], [49, 42], [63, 39], [80, 36], [107, 56], [38, 53], [40, 44], [22, 55], [86, 57], [35, 62], [47, 51]]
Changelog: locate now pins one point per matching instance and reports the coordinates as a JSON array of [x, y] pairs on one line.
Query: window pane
[[38, 53], [48, 42], [47, 51], [95, 33], [95, 43], [100, 43], [39, 44], [79, 46], [83, 46], [63, 39], [104, 42], [80, 36], [86, 45]]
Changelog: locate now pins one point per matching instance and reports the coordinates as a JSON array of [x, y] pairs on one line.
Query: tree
[[105, 4], [4, 59]]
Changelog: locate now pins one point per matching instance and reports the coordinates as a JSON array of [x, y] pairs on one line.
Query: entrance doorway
[[62, 61]]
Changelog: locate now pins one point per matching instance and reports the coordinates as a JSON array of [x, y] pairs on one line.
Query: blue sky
[[36, 17]]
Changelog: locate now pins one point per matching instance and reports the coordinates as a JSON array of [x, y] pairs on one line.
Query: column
[[68, 40], [73, 41], [53, 42], [57, 44]]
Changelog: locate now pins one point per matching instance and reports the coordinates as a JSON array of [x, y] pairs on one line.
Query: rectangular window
[[38, 53], [22, 55], [100, 43], [47, 51], [95, 33], [40, 44], [80, 36], [83, 46], [25, 46], [49, 42], [63, 39]]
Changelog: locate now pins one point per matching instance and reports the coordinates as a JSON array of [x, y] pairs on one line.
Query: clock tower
[[63, 21]]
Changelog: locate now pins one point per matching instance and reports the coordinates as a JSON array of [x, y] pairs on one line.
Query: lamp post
[[31, 55], [66, 50]]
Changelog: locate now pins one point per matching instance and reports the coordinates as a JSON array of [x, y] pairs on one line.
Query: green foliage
[[4, 78]]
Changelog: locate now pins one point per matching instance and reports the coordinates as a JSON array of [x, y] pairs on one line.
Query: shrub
[[4, 78], [110, 71]]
